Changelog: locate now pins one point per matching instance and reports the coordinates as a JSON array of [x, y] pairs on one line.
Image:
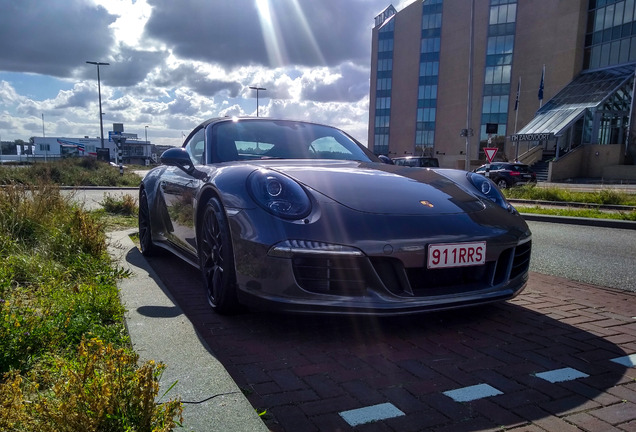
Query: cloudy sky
[[176, 63]]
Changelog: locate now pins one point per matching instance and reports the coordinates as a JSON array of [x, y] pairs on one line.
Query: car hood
[[383, 189]]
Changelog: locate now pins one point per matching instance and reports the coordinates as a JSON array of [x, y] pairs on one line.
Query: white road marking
[[371, 413], [629, 361], [560, 375], [478, 391]]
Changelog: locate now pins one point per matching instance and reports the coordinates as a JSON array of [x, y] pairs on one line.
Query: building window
[[503, 14], [383, 86], [497, 75], [430, 46], [611, 34]]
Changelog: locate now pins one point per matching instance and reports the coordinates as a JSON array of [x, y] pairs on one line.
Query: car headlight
[[278, 194], [487, 188]]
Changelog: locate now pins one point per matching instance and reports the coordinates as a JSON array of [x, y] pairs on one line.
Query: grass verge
[[578, 212], [81, 171], [603, 196], [65, 359]]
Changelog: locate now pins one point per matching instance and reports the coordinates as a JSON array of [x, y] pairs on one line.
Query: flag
[[541, 84], [518, 91]]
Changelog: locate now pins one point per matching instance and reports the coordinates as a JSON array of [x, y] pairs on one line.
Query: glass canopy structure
[[594, 108]]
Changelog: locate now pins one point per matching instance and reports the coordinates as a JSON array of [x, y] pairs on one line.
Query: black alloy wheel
[[216, 259], [145, 234]]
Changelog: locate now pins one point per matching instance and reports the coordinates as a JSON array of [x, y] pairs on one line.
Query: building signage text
[[531, 137]]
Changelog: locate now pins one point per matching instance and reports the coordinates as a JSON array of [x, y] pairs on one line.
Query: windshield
[[265, 139]]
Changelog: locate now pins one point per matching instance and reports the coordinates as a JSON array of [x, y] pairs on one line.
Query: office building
[[539, 80]]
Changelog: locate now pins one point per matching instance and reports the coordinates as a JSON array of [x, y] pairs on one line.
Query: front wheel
[[145, 231], [216, 259]]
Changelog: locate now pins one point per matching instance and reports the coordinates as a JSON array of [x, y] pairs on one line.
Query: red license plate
[[456, 255]]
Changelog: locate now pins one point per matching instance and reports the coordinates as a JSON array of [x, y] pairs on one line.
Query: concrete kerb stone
[[160, 331], [605, 223]]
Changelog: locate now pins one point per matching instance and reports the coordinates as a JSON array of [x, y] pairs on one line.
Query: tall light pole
[[99, 92], [469, 103], [257, 90], [146, 134]]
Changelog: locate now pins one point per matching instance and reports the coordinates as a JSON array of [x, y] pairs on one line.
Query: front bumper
[[371, 276]]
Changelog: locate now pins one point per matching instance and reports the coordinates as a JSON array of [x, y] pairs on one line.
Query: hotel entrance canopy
[[606, 92]]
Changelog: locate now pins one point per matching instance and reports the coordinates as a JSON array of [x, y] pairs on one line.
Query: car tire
[[148, 248], [216, 259], [502, 183]]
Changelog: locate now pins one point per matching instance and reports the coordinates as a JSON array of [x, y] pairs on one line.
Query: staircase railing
[[535, 154]]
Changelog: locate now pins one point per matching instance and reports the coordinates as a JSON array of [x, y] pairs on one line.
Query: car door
[[179, 191]]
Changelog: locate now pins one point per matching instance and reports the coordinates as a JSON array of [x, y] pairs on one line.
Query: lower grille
[[521, 261], [446, 281], [346, 276], [352, 276], [423, 282]]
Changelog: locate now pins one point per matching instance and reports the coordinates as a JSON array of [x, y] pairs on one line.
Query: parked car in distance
[[417, 161], [507, 174], [300, 217]]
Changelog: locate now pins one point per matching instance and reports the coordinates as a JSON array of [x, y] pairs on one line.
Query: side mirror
[[386, 159], [179, 158]]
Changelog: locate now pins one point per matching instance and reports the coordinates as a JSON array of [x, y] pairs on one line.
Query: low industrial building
[[133, 150]]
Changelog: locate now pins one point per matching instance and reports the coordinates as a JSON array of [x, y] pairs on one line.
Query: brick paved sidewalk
[[554, 359]]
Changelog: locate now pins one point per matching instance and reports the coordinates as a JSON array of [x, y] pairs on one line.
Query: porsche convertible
[[299, 217]]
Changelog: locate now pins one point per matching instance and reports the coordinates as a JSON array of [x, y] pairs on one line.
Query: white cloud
[[175, 64]]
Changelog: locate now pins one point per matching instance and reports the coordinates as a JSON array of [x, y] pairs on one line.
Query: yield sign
[[490, 153]]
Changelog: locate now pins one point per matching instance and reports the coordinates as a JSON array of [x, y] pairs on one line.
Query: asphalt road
[[600, 256]]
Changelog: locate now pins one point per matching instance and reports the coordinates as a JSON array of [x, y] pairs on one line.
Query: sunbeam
[[272, 35]]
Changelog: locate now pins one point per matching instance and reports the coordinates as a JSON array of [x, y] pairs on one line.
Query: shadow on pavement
[[305, 370]]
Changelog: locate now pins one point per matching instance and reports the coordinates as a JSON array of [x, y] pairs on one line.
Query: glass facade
[[384, 84], [499, 50], [428, 77], [611, 33]]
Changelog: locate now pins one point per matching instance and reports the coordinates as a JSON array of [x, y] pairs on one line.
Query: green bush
[[58, 289], [101, 389], [58, 281]]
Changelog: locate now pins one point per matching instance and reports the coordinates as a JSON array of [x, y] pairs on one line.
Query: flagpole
[[517, 103], [517, 117], [541, 87]]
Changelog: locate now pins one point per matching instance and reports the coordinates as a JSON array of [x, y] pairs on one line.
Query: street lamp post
[[257, 90], [146, 127], [99, 92], [469, 107]]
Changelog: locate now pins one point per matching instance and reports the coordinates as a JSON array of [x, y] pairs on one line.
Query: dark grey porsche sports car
[[299, 217]]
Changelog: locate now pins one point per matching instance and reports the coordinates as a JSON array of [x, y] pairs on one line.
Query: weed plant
[[124, 206], [65, 361], [117, 213], [80, 171]]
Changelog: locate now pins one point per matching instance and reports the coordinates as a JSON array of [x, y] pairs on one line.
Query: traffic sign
[[490, 153]]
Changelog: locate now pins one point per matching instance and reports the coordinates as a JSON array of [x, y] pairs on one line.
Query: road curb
[[604, 223]]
